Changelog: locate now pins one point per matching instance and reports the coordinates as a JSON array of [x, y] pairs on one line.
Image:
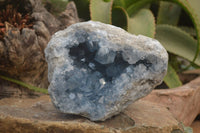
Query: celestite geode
[[96, 70]]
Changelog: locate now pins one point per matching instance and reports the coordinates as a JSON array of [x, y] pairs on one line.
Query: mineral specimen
[[96, 70]]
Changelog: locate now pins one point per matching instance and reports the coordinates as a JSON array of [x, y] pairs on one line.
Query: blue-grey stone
[[96, 70]]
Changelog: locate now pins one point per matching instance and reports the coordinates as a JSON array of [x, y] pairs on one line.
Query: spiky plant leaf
[[185, 6], [124, 3], [177, 42], [101, 11], [129, 2], [171, 79], [195, 5], [119, 3], [168, 13], [122, 20], [189, 30], [33, 88], [142, 23], [137, 5]]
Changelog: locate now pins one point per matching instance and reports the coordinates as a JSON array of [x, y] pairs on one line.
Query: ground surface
[[38, 114]]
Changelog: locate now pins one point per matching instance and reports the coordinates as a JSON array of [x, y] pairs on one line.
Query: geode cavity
[[96, 70]]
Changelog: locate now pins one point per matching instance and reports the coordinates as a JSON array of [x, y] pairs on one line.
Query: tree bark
[[22, 51]]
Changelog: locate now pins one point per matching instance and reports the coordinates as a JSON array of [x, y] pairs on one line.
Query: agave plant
[[136, 17]]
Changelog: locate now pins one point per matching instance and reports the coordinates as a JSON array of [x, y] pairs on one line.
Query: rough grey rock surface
[[96, 70]]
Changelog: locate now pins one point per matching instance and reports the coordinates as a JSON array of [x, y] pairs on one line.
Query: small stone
[[96, 70]]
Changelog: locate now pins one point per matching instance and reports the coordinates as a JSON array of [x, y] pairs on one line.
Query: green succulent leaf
[[177, 42], [142, 22], [83, 8], [122, 20], [124, 3], [104, 16], [195, 5], [189, 30], [106, 0], [171, 79], [133, 8], [33, 88], [119, 3], [101, 11], [168, 13], [185, 6]]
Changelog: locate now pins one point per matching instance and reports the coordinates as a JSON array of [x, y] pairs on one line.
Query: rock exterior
[[96, 70]]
